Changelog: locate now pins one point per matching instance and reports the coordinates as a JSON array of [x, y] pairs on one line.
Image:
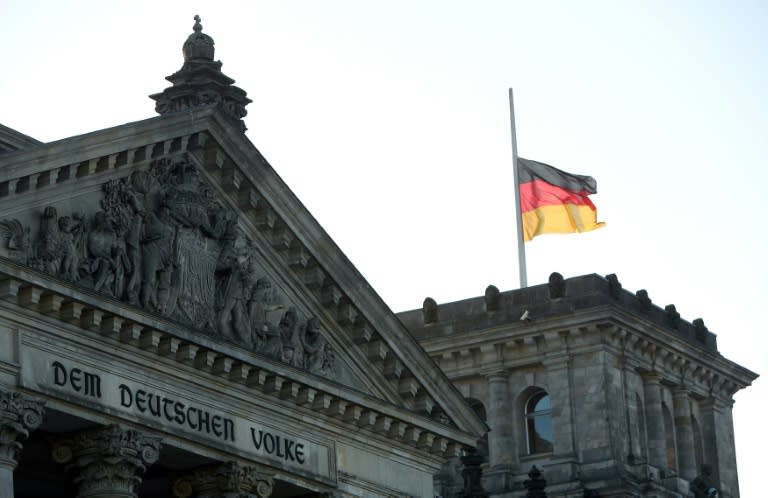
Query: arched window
[[538, 423], [669, 437], [698, 447]]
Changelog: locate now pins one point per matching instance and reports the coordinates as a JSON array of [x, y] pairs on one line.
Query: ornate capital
[[109, 460], [228, 480], [18, 416]]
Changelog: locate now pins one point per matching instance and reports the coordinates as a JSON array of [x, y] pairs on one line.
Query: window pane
[[542, 404], [543, 434]]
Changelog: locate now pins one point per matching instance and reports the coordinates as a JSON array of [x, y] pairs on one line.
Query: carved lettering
[[281, 447], [176, 412], [77, 379]]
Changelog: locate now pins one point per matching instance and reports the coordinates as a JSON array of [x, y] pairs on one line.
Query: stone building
[[604, 392], [173, 322]]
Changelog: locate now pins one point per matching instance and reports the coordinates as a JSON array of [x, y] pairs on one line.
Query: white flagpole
[[518, 208]]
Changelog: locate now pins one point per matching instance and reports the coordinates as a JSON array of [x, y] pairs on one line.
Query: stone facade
[[173, 322], [606, 393]]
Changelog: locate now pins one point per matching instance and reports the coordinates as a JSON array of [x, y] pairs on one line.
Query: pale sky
[[390, 120]]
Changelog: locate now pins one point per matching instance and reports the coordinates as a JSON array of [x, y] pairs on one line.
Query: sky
[[390, 121]]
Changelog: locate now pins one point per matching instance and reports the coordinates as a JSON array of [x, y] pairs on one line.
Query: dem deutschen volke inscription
[[173, 412]]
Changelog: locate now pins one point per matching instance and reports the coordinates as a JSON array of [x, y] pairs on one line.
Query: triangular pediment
[[180, 220]]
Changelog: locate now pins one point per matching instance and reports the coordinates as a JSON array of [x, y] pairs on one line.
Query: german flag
[[553, 201]]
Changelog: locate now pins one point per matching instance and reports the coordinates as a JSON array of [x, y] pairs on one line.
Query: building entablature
[[536, 340], [40, 307]]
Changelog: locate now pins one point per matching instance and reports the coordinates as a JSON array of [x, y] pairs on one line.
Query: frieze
[[177, 412], [161, 241]]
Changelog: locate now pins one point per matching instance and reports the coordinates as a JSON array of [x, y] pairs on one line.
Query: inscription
[[172, 411], [281, 447], [77, 379], [177, 412]]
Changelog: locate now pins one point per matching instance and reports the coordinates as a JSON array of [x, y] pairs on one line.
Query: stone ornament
[[161, 241], [228, 480], [109, 461], [19, 415], [200, 82]]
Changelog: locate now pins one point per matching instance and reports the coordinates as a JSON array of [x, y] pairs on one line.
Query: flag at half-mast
[[553, 201]]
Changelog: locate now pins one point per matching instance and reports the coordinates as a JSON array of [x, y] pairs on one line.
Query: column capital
[[651, 377], [496, 375], [18, 416], [110, 460], [225, 480]]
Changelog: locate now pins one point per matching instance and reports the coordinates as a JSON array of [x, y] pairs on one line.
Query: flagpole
[[518, 210]]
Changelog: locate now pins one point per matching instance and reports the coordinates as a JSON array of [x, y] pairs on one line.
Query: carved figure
[[260, 303], [703, 486], [315, 347], [47, 244], [232, 283], [107, 257], [292, 351], [70, 231], [16, 240]]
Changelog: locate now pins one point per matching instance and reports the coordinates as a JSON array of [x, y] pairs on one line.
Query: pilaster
[[719, 443], [502, 447], [686, 450], [654, 420], [502, 437], [228, 480], [18, 416], [109, 462]]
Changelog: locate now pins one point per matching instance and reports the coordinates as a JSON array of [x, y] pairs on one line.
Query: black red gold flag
[[553, 201]]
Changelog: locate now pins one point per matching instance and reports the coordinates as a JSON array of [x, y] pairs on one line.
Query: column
[[654, 421], [502, 448], [225, 481], [108, 462], [686, 451], [18, 416]]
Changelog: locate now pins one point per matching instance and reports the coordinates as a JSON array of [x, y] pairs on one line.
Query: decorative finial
[[197, 27]]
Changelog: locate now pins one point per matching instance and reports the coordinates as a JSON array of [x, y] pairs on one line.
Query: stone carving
[[18, 416], [700, 330], [200, 82], [643, 300], [673, 317], [15, 240], [429, 310], [492, 298], [161, 241], [614, 286], [556, 286], [109, 461], [703, 486], [230, 479]]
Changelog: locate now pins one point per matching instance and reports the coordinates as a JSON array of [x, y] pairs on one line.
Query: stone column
[[654, 421], [502, 447], [228, 480], [108, 461], [686, 451], [18, 416]]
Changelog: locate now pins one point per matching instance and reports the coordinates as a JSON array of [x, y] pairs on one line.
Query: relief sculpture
[[160, 240]]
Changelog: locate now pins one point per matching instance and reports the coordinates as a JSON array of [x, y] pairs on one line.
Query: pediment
[[180, 218]]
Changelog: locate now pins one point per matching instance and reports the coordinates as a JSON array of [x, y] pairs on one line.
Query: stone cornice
[[644, 346]]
